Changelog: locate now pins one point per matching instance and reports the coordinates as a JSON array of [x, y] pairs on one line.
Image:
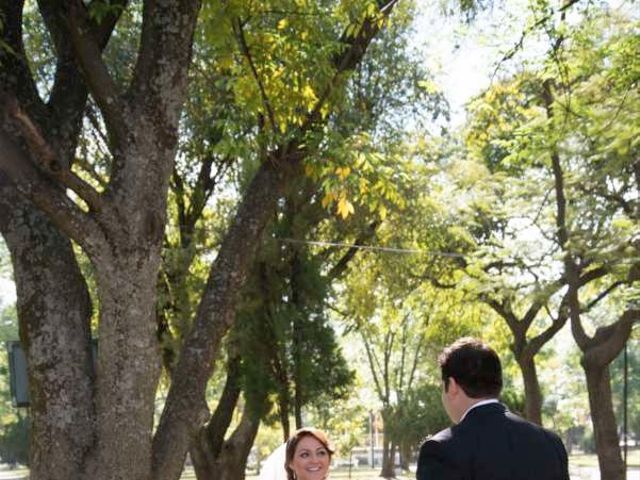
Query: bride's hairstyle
[[292, 443]]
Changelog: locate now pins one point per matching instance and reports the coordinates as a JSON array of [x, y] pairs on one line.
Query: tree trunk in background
[[405, 456], [604, 421], [208, 445], [532, 392], [388, 454]]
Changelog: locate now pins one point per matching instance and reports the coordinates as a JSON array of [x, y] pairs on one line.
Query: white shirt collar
[[478, 404]]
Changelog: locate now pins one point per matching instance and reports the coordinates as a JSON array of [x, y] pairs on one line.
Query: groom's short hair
[[475, 367]]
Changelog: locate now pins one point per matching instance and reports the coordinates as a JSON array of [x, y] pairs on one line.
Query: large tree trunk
[[604, 422], [532, 392], [186, 403], [129, 367], [54, 312]]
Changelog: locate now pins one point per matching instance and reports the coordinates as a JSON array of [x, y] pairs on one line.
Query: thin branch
[[244, 47], [90, 170], [542, 204], [356, 48], [341, 266], [520, 43], [91, 115], [373, 363], [601, 296]]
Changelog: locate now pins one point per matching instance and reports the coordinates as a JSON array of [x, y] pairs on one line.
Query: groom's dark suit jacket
[[493, 444]]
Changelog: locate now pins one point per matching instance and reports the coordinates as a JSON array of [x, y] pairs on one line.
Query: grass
[[575, 460], [591, 460], [363, 473]]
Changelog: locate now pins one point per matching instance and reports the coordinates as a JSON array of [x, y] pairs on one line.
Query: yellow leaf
[[345, 208], [309, 94], [328, 198], [343, 172], [383, 212], [282, 24], [309, 170], [364, 186]]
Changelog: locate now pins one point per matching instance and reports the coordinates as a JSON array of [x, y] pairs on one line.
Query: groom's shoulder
[[533, 427], [440, 437]]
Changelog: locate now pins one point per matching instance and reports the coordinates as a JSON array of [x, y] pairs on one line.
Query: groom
[[488, 442]]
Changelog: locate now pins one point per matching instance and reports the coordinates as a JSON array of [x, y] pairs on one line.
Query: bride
[[305, 456]]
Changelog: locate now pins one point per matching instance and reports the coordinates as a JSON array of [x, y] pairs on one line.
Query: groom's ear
[[454, 388]]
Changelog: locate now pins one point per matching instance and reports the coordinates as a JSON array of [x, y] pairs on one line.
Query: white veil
[[273, 466]]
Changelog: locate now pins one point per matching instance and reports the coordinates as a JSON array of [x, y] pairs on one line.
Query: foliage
[[417, 415], [14, 442]]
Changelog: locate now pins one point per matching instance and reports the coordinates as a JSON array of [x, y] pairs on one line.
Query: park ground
[[581, 466]]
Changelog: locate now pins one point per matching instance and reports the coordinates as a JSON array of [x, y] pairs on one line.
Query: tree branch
[[601, 296], [96, 75], [237, 28], [356, 47], [49, 161], [518, 45], [48, 197], [161, 72], [15, 74], [341, 266]]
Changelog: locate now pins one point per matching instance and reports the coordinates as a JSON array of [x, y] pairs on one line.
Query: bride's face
[[310, 459]]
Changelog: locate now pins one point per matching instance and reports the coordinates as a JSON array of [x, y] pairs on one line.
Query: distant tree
[[416, 416]]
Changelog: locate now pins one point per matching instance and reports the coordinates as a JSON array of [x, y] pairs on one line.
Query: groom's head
[[471, 371]]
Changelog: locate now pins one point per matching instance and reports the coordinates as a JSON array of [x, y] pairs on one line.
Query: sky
[[463, 55], [7, 287]]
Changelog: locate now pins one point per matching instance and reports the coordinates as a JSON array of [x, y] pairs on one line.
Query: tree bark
[[532, 392], [232, 462], [54, 312], [54, 308], [388, 458], [604, 421], [209, 442], [215, 458], [388, 452], [128, 367]]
